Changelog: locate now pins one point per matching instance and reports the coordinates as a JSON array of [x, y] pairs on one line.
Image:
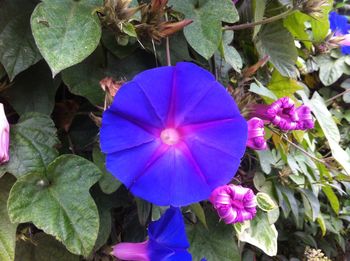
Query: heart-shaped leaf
[[66, 31], [204, 34], [59, 202]]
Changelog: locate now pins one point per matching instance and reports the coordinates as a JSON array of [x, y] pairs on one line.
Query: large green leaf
[[259, 232], [204, 34], [332, 197], [66, 31], [331, 69], [33, 90], [17, 47], [217, 243], [296, 24], [275, 41], [32, 145], [84, 78], [229, 53], [59, 202], [259, 7], [283, 86], [311, 203], [329, 128], [43, 247], [7, 229]]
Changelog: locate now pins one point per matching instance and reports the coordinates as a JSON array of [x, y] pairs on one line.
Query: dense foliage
[[58, 201]]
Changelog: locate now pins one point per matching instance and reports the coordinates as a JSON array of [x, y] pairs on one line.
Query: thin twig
[[167, 46], [264, 21], [337, 96], [303, 151]]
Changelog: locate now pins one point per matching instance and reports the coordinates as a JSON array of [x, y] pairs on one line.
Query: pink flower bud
[[234, 203], [284, 115], [131, 251], [256, 134], [305, 118], [4, 136]]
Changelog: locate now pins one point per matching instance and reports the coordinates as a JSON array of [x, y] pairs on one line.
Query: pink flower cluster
[[234, 203], [283, 114]]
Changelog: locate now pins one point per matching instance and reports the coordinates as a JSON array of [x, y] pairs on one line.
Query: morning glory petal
[[179, 180], [169, 230], [128, 134]]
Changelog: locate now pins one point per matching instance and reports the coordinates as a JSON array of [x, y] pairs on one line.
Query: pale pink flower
[[4, 136]]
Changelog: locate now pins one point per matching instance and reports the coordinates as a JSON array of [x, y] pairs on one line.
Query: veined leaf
[[59, 202]]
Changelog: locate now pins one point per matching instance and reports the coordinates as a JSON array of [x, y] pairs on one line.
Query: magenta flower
[[284, 115], [256, 133], [167, 241], [234, 203], [4, 136], [170, 131]]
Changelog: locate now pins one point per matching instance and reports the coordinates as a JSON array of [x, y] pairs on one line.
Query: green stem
[[264, 21]]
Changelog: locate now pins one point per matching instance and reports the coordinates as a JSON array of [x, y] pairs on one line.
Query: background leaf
[[32, 145], [7, 228], [84, 78], [217, 243], [17, 47], [275, 41], [33, 90]]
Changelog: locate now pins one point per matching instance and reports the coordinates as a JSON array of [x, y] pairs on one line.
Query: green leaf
[[275, 41], [59, 202], [144, 209], [331, 69], [329, 128], [42, 247], [332, 197], [262, 91], [259, 232], [129, 29], [311, 203], [320, 26], [32, 145], [33, 90], [7, 229], [215, 244], [295, 23], [198, 210], [283, 86], [66, 31], [84, 78], [229, 53], [286, 196], [265, 202], [17, 47], [322, 224], [259, 7], [108, 183], [204, 34]]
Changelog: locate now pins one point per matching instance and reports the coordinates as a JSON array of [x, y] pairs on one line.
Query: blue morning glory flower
[[173, 134], [340, 28], [167, 241]]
